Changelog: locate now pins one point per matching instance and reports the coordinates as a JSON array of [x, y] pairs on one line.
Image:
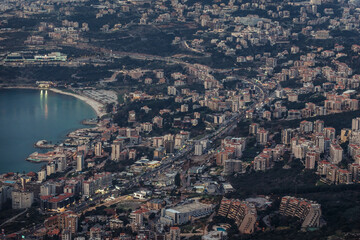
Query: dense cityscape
[[235, 119]]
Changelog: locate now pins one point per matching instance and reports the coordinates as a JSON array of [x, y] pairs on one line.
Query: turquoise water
[[27, 116]]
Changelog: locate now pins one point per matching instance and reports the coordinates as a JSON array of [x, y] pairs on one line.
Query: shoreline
[[95, 105], [98, 107], [19, 87]]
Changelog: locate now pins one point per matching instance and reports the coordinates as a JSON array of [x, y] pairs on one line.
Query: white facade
[[22, 200], [79, 162]]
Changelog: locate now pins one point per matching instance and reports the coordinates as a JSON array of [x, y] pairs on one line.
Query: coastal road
[[144, 56], [14, 217], [219, 133], [223, 130]]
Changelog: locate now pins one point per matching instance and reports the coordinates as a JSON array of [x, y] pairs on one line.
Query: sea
[[30, 115]]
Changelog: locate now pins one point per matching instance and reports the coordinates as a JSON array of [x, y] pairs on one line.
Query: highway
[[223, 130]]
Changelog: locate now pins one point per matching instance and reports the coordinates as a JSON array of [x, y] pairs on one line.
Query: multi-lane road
[[223, 130]]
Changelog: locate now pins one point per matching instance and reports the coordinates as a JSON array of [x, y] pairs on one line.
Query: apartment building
[[243, 213], [307, 210]]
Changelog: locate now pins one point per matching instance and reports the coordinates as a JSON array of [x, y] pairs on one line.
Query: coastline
[[18, 87], [98, 107]]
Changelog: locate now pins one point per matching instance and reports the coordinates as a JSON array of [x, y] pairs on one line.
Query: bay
[[29, 115]]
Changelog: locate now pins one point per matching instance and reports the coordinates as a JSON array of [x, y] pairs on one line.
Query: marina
[[44, 144], [41, 157]]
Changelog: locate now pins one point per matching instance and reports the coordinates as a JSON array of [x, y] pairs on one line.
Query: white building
[[50, 169], [42, 175], [336, 153], [184, 213], [22, 199], [198, 149], [116, 149], [172, 90], [47, 189], [79, 162], [98, 149]]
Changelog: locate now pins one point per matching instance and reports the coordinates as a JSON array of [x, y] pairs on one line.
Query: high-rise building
[[253, 128], [204, 143], [42, 175], [286, 135], [88, 188], [235, 106], [79, 162], [64, 221], [310, 160], [61, 163], [68, 220], [198, 149], [306, 127], [98, 181], [262, 162], [319, 126], [5, 195], [243, 213], [174, 233], [248, 222], [116, 149], [50, 169], [354, 169], [169, 146], [329, 133], [355, 137], [336, 153], [21, 199], [232, 166], [306, 210], [98, 149], [262, 136], [355, 124], [132, 153], [66, 234], [320, 142], [47, 189], [138, 218], [172, 90]]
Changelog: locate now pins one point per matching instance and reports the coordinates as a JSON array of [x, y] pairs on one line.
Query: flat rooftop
[[189, 207]]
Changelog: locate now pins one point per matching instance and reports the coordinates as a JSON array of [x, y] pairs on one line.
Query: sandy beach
[[98, 107]]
